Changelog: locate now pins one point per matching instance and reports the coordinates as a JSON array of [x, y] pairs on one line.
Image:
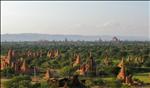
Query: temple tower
[[77, 61], [122, 73], [24, 68], [48, 74]]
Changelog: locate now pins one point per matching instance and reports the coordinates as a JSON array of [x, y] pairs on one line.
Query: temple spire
[[122, 73], [48, 74], [77, 61], [122, 63], [24, 68], [35, 79]]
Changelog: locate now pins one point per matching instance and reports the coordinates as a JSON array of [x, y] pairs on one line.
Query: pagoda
[[48, 74], [24, 68], [7, 60], [115, 39], [77, 61], [122, 73], [51, 54], [91, 65], [35, 78], [106, 61], [57, 53], [82, 70]]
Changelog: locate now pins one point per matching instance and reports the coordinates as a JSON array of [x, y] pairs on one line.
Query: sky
[[116, 18]]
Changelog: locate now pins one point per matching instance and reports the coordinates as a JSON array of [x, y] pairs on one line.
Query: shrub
[[115, 84], [91, 74], [19, 82], [99, 82], [7, 72], [44, 85], [89, 83], [67, 71]]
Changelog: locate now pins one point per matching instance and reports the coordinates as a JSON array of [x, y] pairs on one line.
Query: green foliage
[[36, 85], [89, 83], [91, 74], [115, 84], [21, 81], [44, 85], [115, 70], [147, 62], [126, 86], [67, 71], [108, 70], [99, 81], [63, 64], [7, 72]]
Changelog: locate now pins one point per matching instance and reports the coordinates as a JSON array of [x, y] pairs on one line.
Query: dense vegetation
[[113, 50]]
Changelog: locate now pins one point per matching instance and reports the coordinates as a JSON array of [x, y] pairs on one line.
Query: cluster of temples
[[53, 53], [122, 74], [11, 58], [21, 66], [89, 66], [10, 61], [7, 60], [32, 54]]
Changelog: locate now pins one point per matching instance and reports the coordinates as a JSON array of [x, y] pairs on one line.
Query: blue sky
[[121, 18]]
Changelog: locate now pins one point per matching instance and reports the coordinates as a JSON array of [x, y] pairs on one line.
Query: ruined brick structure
[[106, 61], [82, 70], [24, 68], [48, 74], [53, 53], [115, 39], [77, 60], [122, 74], [90, 66], [6, 60]]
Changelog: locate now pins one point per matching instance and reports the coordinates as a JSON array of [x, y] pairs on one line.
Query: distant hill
[[49, 37]]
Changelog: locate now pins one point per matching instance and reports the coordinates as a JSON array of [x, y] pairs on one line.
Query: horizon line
[[72, 34]]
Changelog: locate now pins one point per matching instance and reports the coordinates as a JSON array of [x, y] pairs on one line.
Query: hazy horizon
[[70, 34], [92, 18]]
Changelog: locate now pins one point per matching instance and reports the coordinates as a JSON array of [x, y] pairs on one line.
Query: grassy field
[[2, 82], [145, 77]]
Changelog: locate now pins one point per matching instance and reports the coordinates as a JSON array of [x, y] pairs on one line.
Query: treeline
[[99, 49]]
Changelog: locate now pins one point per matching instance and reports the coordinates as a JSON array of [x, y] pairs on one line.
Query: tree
[[67, 71], [21, 81], [7, 72]]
